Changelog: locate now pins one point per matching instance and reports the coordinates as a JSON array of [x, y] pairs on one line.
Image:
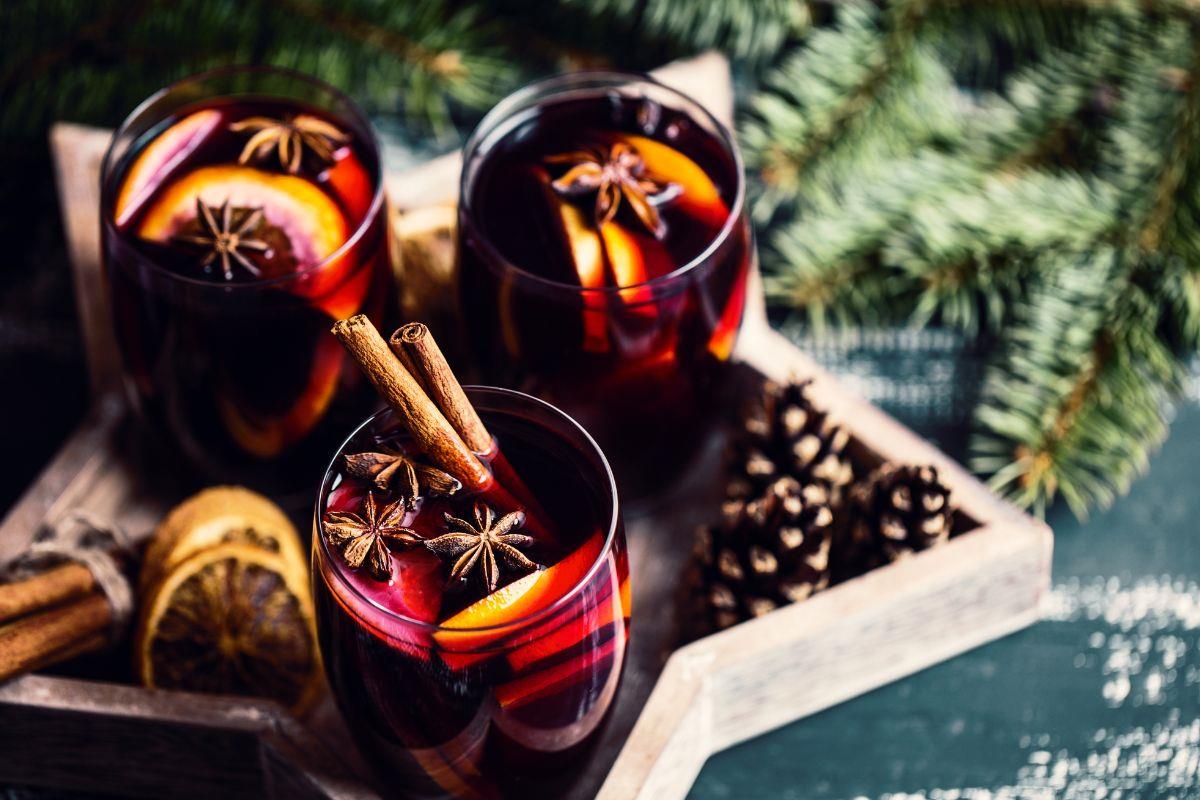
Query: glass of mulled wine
[[241, 215], [604, 257], [467, 669]]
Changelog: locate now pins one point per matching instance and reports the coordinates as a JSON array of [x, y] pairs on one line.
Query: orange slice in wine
[[635, 258], [311, 220], [160, 158], [351, 183], [700, 196], [553, 679], [574, 632], [519, 599], [586, 251], [268, 437], [724, 336]]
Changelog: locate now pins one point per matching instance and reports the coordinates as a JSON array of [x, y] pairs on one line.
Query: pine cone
[[786, 435], [897, 511], [768, 551]]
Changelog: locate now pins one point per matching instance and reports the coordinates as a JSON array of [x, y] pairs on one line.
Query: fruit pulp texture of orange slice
[[310, 219], [632, 257], [562, 630], [519, 599]]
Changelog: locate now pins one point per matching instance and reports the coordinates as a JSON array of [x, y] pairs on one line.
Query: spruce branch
[[969, 252], [1075, 400], [831, 90], [1174, 191], [752, 29], [824, 265]]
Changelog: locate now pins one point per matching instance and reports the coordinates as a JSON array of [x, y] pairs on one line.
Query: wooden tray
[[674, 708]]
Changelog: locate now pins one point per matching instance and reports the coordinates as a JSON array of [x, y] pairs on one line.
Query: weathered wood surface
[[711, 694], [105, 737]]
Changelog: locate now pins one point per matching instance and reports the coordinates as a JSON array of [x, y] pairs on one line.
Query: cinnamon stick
[[45, 590], [39, 639], [416, 347], [430, 429]]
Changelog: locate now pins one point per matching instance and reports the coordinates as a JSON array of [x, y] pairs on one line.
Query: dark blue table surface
[[1101, 699]]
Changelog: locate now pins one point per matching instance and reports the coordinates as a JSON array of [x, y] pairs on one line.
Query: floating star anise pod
[[289, 137], [485, 543], [619, 173], [385, 467], [363, 538], [225, 239]]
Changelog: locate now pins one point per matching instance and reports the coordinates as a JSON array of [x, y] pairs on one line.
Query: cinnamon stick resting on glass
[[432, 431]]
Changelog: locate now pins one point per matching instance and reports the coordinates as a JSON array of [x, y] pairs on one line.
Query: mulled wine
[[473, 643], [604, 257], [242, 214]]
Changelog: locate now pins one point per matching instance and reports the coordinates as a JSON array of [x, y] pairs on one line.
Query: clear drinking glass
[[625, 330], [495, 697], [233, 365]]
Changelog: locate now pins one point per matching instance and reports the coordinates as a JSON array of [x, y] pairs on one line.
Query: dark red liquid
[[501, 712], [633, 365], [239, 370]]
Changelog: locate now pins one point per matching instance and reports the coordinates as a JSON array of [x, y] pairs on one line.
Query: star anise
[[620, 173], [363, 538], [486, 543], [386, 466], [289, 137], [225, 239]]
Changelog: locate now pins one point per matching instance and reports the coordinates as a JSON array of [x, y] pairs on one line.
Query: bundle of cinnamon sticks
[[50, 617]]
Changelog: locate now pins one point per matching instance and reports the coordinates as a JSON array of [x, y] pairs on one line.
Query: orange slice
[[159, 158], [548, 681], [350, 181], [587, 254], [216, 516], [231, 619], [522, 597], [724, 336], [700, 195], [267, 437], [311, 220], [635, 258], [574, 632]]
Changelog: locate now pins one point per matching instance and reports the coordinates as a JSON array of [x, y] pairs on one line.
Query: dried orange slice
[[232, 619], [216, 516]]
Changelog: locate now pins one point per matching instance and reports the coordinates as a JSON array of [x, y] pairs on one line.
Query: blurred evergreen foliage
[[1025, 173]]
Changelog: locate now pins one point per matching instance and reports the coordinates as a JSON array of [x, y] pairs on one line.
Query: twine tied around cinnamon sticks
[[66, 595]]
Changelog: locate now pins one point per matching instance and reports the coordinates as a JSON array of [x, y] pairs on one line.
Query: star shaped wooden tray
[[676, 706]]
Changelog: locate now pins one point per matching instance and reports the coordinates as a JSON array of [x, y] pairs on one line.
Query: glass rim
[[520, 622], [507, 106], [107, 220]]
